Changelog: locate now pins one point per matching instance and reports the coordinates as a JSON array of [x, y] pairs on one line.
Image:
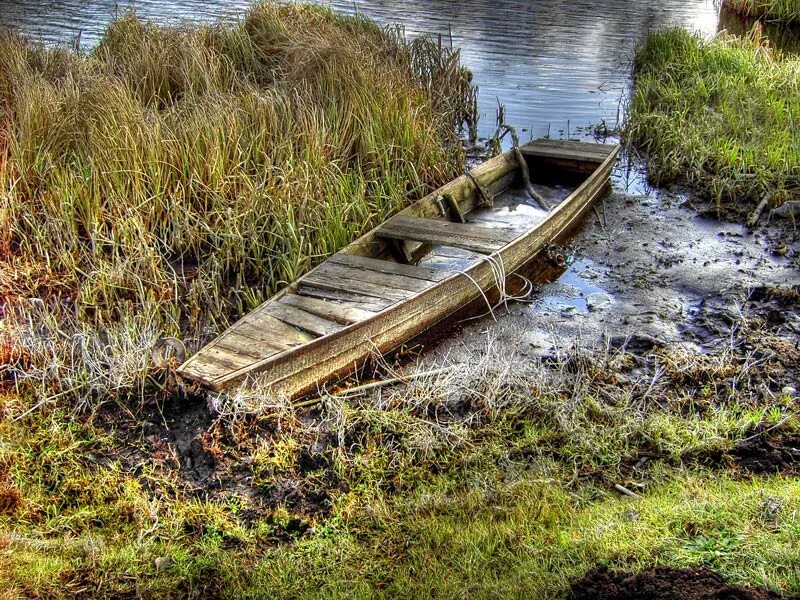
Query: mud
[[760, 454], [646, 270], [662, 584]]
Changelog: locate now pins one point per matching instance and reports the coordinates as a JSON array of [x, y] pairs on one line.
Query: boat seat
[[483, 240]]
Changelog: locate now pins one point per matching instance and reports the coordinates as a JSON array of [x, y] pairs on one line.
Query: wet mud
[[759, 454], [662, 584], [646, 269]]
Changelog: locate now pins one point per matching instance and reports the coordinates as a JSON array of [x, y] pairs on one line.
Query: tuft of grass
[[175, 177], [787, 11], [719, 115]]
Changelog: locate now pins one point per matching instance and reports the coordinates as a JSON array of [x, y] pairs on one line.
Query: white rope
[[499, 275]]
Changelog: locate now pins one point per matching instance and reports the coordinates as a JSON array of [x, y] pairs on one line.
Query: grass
[[778, 10], [718, 115], [495, 479], [174, 178]]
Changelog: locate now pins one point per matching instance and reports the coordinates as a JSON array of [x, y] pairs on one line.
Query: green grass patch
[[719, 115], [778, 10], [495, 480]]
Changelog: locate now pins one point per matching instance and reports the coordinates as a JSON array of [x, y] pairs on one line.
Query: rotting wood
[[454, 208], [353, 285], [486, 198], [389, 267], [374, 278], [367, 303], [297, 317], [484, 240]]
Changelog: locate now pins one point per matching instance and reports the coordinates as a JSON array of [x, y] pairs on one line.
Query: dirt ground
[[662, 584]]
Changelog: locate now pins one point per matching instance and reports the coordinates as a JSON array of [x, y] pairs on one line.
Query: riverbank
[[634, 438], [717, 116], [776, 10]]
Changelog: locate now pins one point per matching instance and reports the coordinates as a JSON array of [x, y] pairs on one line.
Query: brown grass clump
[[175, 177]]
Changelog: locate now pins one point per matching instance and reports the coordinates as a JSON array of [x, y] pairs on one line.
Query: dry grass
[[786, 11], [174, 178]]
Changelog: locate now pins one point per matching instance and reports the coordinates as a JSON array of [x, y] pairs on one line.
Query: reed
[[778, 10], [719, 115], [175, 177]]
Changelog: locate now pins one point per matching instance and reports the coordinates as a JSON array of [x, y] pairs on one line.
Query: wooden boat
[[409, 273]]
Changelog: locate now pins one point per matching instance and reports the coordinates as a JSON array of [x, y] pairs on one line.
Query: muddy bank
[[662, 584], [647, 268]]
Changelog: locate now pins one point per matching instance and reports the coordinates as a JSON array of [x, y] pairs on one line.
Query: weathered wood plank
[[338, 311], [339, 283], [217, 362], [367, 303], [382, 280], [389, 267], [238, 342], [483, 240], [299, 318], [260, 325], [567, 150]]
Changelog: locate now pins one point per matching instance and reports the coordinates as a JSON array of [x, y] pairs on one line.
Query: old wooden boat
[[411, 272]]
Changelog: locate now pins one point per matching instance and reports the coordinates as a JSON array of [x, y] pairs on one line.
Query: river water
[[555, 64]]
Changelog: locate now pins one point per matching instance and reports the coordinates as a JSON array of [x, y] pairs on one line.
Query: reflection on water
[[553, 63]]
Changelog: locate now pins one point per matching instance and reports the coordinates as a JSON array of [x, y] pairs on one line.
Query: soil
[[662, 584], [761, 454]]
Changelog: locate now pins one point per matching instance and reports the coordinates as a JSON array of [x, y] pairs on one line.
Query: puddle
[[570, 294]]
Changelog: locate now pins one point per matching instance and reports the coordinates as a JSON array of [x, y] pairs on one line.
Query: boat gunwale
[[260, 366]]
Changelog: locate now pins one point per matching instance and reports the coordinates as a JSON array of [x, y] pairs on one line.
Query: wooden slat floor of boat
[[389, 267], [483, 240], [261, 325], [355, 300], [373, 278], [565, 149], [306, 321], [338, 311], [327, 279]]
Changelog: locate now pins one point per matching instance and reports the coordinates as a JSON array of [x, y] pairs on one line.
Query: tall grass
[[779, 10], [174, 178], [721, 115]]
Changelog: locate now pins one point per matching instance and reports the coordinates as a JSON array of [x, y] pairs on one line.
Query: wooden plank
[[389, 267], [212, 363], [564, 150], [382, 280], [483, 240], [260, 325], [237, 341], [340, 312], [367, 303], [339, 283], [299, 318]]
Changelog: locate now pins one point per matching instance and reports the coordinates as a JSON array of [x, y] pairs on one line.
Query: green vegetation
[[720, 115], [779, 10], [497, 478]]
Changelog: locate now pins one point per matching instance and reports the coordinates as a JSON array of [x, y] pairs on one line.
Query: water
[[556, 65]]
